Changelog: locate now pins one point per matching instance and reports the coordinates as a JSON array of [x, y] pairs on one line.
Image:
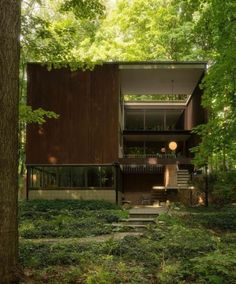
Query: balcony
[[142, 169], [152, 160]]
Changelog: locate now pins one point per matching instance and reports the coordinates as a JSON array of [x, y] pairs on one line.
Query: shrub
[[217, 267], [222, 186], [223, 219]]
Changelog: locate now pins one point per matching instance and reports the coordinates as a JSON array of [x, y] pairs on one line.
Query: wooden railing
[[152, 160], [142, 169]]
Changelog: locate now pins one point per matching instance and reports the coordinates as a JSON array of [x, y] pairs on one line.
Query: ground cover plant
[[67, 218], [185, 246]]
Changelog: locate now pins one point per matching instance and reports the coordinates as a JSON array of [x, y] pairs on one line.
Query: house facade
[[123, 134]]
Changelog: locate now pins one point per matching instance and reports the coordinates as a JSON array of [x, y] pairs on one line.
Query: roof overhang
[[160, 77]]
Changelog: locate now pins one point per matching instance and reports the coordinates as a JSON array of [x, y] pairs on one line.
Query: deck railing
[[142, 169], [159, 156]]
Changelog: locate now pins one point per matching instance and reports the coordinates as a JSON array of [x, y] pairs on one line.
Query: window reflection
[[70, 176], [93, 175]]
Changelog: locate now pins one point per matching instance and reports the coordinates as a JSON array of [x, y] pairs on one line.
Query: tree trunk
[[9, 87]]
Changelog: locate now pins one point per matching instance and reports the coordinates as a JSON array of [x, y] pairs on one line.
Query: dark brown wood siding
[[194, 112], [136, 185], [87, 102]]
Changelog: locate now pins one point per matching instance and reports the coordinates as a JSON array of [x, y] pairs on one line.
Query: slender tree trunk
[[224, 158], [9, 87], [206, 185]]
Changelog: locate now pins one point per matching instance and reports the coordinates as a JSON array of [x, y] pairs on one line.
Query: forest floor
[[184, 246]]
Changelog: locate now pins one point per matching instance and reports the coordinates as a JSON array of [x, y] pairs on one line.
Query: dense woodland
[[78, 33]]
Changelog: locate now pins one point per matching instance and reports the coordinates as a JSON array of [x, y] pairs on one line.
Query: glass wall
[[154, 120], [70, 176], [134, 120]]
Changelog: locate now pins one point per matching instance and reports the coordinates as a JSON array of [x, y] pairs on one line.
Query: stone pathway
[[148, 209], [140, 217], [115, 236], [144, 212]]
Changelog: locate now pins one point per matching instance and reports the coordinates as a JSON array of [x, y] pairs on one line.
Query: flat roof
[[156, 77], [152, 62], [161, 64]]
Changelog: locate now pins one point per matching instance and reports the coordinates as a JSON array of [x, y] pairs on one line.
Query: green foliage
[[156, 97], [221, 186], [61, 219], [146, 30], [27, 115], [215, 29], [179, 249], [224, 188], [48, 205], [89, 9], [216, 267], [216, 219]]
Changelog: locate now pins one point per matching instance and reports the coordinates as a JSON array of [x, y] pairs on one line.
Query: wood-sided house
[[124, 130]]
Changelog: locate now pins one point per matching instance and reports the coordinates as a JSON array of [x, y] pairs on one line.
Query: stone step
[[138, 221], [143, 215], [136, 227], [183, 175]]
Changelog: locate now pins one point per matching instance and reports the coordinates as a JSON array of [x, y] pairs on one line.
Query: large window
[[71, 176], [154, 120]]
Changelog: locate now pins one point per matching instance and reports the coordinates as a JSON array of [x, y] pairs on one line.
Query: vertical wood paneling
[[86, 131], [194, 113]]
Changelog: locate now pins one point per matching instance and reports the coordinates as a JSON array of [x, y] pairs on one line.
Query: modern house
[[124, 131]]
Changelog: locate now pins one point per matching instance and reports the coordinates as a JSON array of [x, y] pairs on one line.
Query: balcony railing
[[159, 156], [154, 128], [139, 169], [154, 160]]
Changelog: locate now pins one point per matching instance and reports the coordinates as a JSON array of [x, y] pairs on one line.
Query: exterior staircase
[[183, 178], [139, 219]]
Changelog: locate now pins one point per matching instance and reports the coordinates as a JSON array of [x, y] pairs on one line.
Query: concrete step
[[183, 178], [143, 215], [137, 221], [136, 227]]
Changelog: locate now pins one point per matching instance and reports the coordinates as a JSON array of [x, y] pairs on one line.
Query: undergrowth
[[188, 248]]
